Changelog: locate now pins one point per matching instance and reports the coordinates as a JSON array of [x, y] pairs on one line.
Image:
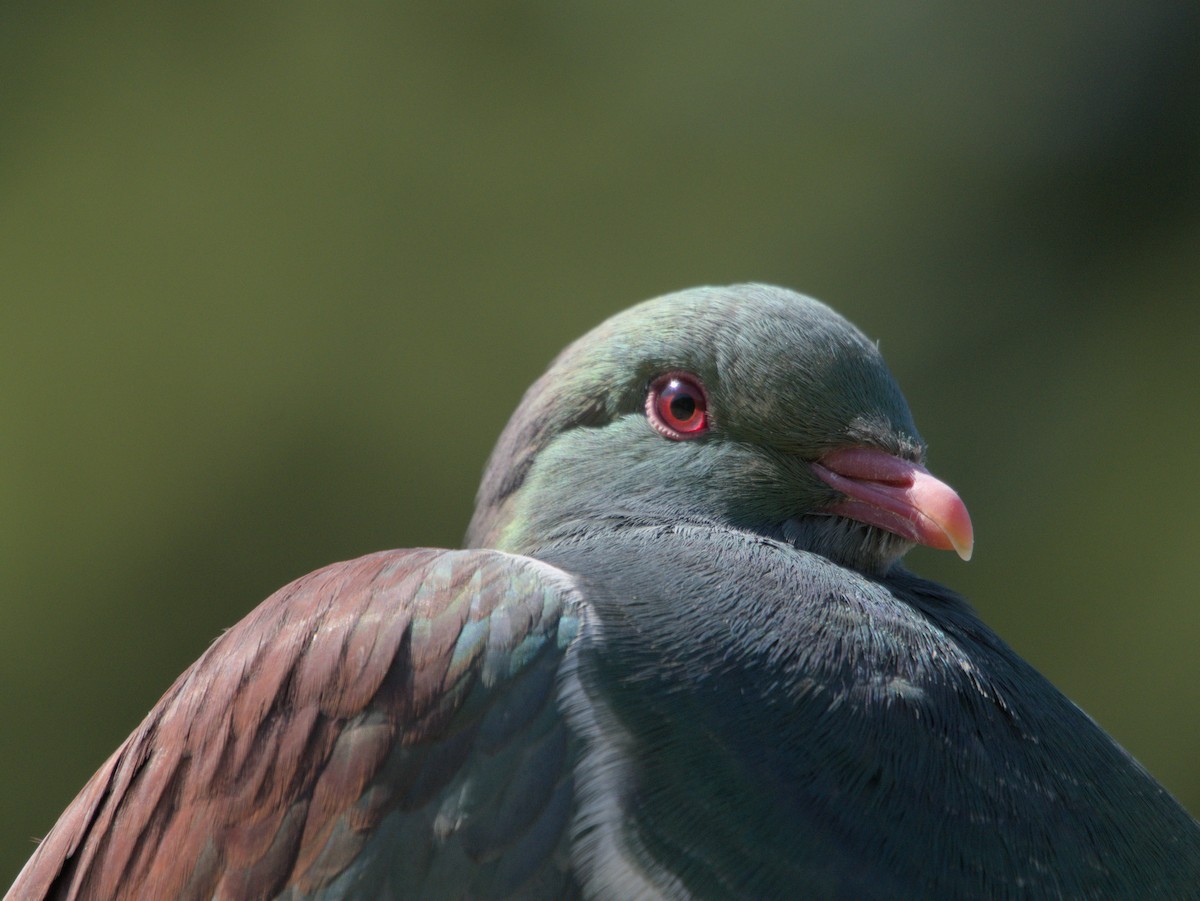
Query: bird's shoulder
[[350, 697]]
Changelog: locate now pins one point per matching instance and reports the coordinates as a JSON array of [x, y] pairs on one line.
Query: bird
[[678, 657]]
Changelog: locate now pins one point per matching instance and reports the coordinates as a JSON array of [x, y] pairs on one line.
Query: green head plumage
[[787, 380]]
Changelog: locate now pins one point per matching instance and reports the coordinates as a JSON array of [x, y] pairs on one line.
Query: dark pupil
[[682, 407]]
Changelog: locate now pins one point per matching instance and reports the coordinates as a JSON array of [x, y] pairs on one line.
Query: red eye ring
[[677, 406]]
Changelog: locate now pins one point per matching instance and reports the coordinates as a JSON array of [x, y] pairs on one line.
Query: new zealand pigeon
[[679, 658]]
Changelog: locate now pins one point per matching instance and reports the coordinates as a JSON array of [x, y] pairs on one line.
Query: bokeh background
[[272, 277]]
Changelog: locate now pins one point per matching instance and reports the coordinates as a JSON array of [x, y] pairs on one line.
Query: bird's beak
[[899, 496]]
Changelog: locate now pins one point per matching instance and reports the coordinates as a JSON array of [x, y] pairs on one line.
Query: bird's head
[[750, 406]]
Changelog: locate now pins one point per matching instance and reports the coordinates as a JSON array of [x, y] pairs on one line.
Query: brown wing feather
[[352, 696]]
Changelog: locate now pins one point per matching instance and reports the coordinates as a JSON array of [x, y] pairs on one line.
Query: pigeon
[[678, 658]]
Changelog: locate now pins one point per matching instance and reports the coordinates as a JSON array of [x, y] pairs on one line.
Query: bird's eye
[[677, 406]]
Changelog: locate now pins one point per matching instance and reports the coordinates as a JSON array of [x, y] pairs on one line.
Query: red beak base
[[899, 496]]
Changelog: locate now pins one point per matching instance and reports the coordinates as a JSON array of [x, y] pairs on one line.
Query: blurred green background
[[274, 276]]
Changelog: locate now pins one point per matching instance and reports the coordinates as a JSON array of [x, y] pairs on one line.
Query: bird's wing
[[405, 699]]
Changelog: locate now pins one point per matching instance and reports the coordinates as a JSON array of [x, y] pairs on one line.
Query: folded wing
[[386, 724]]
